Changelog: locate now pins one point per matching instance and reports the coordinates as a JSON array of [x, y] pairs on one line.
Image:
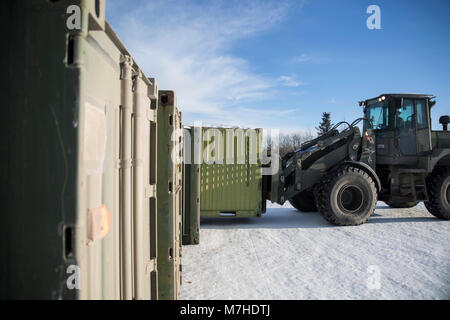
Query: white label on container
[[94, 144]]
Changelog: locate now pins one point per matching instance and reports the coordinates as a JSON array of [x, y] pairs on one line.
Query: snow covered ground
[[286, 254]]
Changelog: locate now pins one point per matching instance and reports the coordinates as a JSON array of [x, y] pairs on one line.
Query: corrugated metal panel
[[87, 140], [191, 190], [169, 193], [230, 183]]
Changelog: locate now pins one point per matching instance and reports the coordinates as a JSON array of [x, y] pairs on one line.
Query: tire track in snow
[[264, 277]]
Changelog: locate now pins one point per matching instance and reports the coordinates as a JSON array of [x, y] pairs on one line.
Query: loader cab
[[401, 124]]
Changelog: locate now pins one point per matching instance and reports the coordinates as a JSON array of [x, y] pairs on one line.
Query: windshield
[[378, 114]]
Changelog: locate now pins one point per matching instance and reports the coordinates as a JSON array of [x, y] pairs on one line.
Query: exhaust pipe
[[444, 120]]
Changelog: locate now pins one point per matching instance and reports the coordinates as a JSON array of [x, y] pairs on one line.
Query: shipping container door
[[191, 185], [169, 194]]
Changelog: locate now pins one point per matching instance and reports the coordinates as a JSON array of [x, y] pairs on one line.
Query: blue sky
[[280, 64]]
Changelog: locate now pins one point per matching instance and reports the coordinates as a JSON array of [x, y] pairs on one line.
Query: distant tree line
[[292, 141]]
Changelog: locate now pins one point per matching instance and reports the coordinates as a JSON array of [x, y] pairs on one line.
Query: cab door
[[422, 126], [405, 128]]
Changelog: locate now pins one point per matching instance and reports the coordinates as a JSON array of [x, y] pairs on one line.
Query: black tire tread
[[434, 182], [323, 191], [304, 201]]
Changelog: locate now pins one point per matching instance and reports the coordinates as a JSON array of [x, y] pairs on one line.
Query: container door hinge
[[151, 115], [150, 266], [124, 163], [153, 89], [150, 191]]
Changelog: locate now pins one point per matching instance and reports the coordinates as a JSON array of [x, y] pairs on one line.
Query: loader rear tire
[[438, 187], [407, 204], [304, 201], [347, 196]]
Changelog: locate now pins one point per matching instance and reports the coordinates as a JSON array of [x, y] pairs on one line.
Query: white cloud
[[302, 58], [247, 117], [185, 46], [310, 58], [290, 81]]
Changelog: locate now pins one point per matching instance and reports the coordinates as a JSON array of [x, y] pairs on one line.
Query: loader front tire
[[347, 196], [304, 201], [438, 187]]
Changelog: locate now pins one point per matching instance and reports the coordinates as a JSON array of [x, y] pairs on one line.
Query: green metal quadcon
[[231, 176]]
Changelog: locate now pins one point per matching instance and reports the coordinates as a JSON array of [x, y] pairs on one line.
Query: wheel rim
[[447, 192], [350, 198]]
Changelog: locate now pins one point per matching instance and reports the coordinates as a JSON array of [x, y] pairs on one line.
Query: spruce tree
[[325, 124]]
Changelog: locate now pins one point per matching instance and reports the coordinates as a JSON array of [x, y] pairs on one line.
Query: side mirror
[[444, 120]]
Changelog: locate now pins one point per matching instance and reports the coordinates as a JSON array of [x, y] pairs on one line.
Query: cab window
[[404, 116], [378, 114], [422, 117]]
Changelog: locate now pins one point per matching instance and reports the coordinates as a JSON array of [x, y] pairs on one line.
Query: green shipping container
[[191, 189], [78, 220], [170, 195], [231, 176]]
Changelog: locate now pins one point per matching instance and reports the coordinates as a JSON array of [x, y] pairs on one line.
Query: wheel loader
[[395, 158]]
